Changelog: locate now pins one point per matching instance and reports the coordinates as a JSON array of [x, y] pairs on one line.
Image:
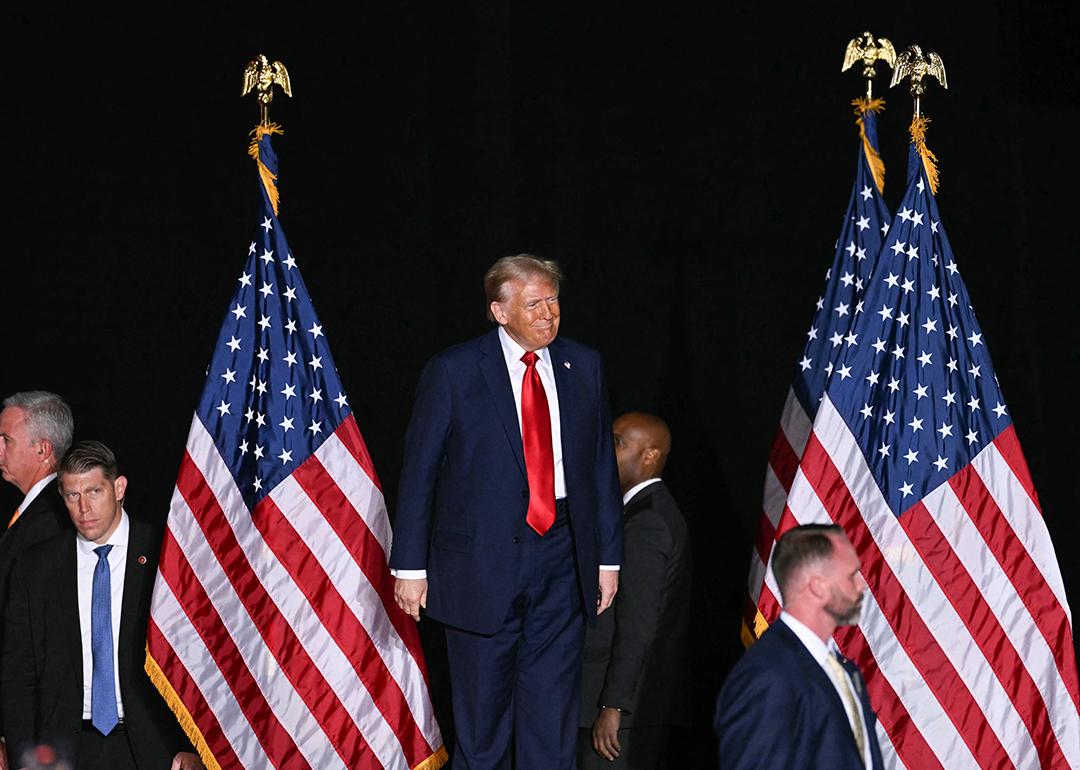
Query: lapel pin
[[566, 364], [142, 560]]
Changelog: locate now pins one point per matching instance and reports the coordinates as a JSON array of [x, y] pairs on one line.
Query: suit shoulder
[[460, 353], [574, 348], [45, 554]]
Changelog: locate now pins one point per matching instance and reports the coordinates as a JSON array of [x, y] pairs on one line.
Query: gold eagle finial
[[864, 49], [261, 74], [915, 64]]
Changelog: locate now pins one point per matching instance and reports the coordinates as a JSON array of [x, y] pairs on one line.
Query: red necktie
[[539, 457]]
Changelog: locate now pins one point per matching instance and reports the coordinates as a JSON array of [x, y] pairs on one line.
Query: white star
[[933, 225], [289, 262], [316, 331], [867, 410], [883, 450], [930, 325], [288, 391], [245, 279], [267, 225], [903, 319], [884, 229], [934, 293], [872, 378], [836, 339], [973, 404], [879, 345], [924, 359], [845, 372], [916, 220], [267, 289], [898, 352], [315, 362], [905, 213], [916, 424], [863, 223], [267, 256], [341, 400], [975, 339], [919, 392], [912, 456], [243, 447], [249, 415], [264, 322], [290, 293], [860, 253], [974, 371], [893, 385], [229, 376], [829, 369], [258, 452], [290, 359], [906, 487], [907, 286], [912, 252], [889, 417], [892, 280], [223, 408], [920, 185], [952, 268], [898, 247], [941, 463], [251, 248], [290, 327], [263, 354], [972, 437], [812, 334], [258, 483], [952, 299], [847, 279], [945, 430], [866, 193], [239, 312], [261, 387], [315, 427], [260, 420], [949, 398], [999, 410], [951, 331], [315, 395], [234, 344], [286, 424], [851, 339], [820, 300], [805, 363], [850, 248], [842, 309], [885, 312], [951, 364], [285, 456]]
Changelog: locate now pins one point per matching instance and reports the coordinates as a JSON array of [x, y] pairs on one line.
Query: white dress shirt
[[85, 565], [35, 490], [820, 651], [637, 488]]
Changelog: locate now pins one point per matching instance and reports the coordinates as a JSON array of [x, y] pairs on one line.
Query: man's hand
[[605, 733], [609, 584], [411, 595], [185, 760], [3, 755]]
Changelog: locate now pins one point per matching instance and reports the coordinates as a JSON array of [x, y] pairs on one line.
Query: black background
[[688, 164]]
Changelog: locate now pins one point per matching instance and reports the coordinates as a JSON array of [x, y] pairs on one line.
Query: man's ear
[[650, 457], [120, 487], [498, 313], [45, 449]]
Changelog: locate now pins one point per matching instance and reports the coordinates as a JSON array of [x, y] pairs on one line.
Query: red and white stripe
[[277, 627], [966, 639]]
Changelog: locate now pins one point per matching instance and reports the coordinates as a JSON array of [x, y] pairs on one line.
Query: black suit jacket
[[42, 663], [636, 654], [45, 517], [779, 709]]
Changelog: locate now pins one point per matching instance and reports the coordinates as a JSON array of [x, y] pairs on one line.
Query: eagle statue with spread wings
[[864, 49], [914, 63], [261, 74]]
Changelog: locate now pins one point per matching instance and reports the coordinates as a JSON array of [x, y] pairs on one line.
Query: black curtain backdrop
[[688, 164]]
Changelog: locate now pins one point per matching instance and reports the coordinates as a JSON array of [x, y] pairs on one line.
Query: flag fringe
[[919, 125], [873, 157], [183, 716], [435, 761], [751, 635], [269, 179]]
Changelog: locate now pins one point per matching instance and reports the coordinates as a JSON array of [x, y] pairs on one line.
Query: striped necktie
[[850, 704]]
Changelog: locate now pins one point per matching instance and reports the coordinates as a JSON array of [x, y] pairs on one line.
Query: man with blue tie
[[75, 636], [508, 527], [793, 701]]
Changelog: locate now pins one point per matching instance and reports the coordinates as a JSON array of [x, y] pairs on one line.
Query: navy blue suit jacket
[[778, 710], [464, 492]]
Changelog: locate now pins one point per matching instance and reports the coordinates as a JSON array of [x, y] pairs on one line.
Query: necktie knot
[[102, 551], [530, 359]]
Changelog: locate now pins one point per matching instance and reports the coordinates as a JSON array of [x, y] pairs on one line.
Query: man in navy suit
[[792, 701], [508, 527]]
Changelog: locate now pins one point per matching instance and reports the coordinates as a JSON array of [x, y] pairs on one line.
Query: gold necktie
[[849, 701], [15, 518]]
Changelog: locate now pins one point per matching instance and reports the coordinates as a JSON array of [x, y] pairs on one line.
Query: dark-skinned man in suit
[[636, 672], [77, 613], [792, 701], [35, 430], [508, 525]]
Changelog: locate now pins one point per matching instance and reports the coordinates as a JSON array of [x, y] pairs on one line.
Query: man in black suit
[[35, 431], [635, 672], [76, 619], [793, 701]]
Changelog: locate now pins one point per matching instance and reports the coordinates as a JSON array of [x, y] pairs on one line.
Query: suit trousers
[[104, 752], [518, 690]]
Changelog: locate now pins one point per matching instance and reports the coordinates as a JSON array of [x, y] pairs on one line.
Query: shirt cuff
[[409, 574], [609, 567]]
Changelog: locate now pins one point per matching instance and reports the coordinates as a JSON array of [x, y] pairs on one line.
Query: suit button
[[516, 540]]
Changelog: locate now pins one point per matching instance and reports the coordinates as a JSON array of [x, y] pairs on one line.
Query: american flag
[[863, 229], [966, 638], [274, 635]]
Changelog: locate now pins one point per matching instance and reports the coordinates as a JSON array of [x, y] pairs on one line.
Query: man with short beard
[[794, 678]]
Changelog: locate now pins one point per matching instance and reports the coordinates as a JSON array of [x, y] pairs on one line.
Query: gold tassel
[[435, 761], [750, 635], [269, 179], [873, 157], [918, 136], [183, 716]]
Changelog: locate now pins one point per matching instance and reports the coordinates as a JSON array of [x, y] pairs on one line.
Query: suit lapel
[[138, 578], [568, 404], [67, 607], [493, 368]]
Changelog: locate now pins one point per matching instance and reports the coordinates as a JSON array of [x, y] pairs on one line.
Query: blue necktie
[[103, 712]]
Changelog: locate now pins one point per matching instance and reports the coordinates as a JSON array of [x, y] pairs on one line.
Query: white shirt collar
[[637, 488], [35, 491], [118, 538], [811, 641], [513, 352]]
